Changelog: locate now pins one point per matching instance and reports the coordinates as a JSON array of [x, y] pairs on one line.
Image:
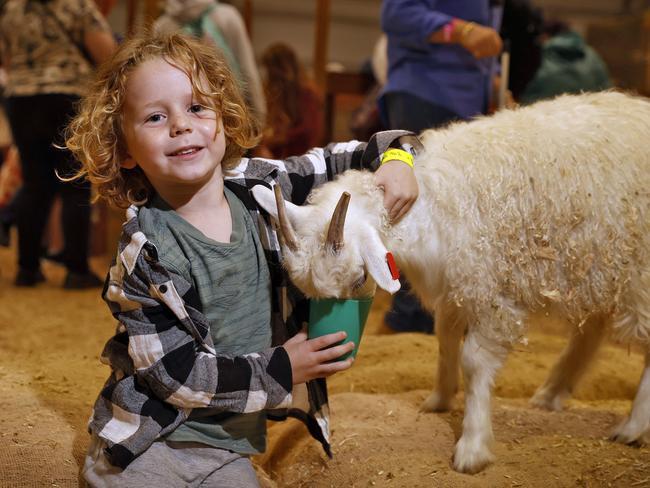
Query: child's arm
[[299, 175], [400, 187], [170, 350]]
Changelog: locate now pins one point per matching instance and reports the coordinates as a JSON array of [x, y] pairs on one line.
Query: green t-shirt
[[234, 287]]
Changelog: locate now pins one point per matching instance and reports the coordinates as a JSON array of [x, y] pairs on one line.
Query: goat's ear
[[266, 199], [373, 254]]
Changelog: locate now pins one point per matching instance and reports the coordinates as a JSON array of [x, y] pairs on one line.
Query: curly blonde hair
[[95, 135]]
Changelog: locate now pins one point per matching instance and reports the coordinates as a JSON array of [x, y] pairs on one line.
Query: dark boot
[[28, 277], [81, 281]]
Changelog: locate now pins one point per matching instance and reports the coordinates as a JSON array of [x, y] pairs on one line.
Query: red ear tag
[[394, 272]]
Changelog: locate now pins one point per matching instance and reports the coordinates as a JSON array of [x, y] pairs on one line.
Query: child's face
[[168, 133]]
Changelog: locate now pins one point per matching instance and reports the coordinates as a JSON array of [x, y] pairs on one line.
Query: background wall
[[614, 27], [355, 23]]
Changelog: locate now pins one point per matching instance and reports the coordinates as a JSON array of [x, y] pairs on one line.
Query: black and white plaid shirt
[[162, 358]]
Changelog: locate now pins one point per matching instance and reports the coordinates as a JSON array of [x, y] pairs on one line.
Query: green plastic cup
[[329, 315]]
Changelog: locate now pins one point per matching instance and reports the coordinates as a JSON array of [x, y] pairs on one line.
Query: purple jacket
[[442, 74]]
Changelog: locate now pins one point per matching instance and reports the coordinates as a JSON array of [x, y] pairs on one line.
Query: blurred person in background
[[10, 179], [223, 25], [49, 62], [294, 106], [568, 65], [442, 66], [521, 30]]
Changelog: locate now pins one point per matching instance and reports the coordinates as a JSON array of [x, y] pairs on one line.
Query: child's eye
[[196, 108], [154, 118]]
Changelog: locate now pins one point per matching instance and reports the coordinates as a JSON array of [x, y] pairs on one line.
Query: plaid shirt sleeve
[[320, 165], [299, 175]]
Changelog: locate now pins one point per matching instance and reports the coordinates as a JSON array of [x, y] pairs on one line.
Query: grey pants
[[171, 465]]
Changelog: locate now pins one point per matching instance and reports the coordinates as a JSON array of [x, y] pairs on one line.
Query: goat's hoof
[[471, 456], [629, 432], [546, 400], [436, 403]]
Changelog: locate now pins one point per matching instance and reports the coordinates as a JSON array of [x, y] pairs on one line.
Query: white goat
[[541, 206]]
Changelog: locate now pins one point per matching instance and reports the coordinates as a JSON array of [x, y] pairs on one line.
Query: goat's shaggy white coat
[[541, 206]]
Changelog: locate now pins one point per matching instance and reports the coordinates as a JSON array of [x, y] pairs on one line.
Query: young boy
[[201, 358]]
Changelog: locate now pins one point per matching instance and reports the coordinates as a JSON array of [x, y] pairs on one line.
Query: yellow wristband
[[399, 155]]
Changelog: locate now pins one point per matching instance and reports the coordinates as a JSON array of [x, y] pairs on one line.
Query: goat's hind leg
[[481, 360], [449, 330], [571, 365], [636, 428]]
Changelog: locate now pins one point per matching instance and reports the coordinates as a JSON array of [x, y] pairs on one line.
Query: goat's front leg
[[481, 360], [636, 428], [449, 330], [571, 365]]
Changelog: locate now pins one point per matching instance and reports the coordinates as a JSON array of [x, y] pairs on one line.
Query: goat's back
[[546, 202]]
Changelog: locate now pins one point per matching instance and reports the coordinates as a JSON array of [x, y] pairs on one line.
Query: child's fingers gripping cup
[[329, 315]]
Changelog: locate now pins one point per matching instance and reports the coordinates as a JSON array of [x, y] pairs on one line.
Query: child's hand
[[400, 188], [309, 358]]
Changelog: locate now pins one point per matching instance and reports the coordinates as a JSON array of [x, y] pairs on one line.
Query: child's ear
[[128, 163]]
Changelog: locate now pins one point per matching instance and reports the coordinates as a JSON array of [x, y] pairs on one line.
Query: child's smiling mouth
[[186, 151]]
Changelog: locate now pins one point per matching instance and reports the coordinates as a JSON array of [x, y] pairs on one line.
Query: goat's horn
[[335, 230], [285, 226]]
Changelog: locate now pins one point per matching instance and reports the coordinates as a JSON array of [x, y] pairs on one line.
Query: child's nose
[[180, 125]]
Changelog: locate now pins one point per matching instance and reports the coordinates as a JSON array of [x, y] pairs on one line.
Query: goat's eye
[[360, 282]]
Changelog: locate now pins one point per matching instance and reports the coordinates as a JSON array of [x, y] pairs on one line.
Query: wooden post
[[645, 42], [321, 41], [105, 6], [131, 8], [151, 11], [503, 84], [248, 17]]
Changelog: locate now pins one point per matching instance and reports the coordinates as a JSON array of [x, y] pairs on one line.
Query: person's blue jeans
[[409, 112]]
